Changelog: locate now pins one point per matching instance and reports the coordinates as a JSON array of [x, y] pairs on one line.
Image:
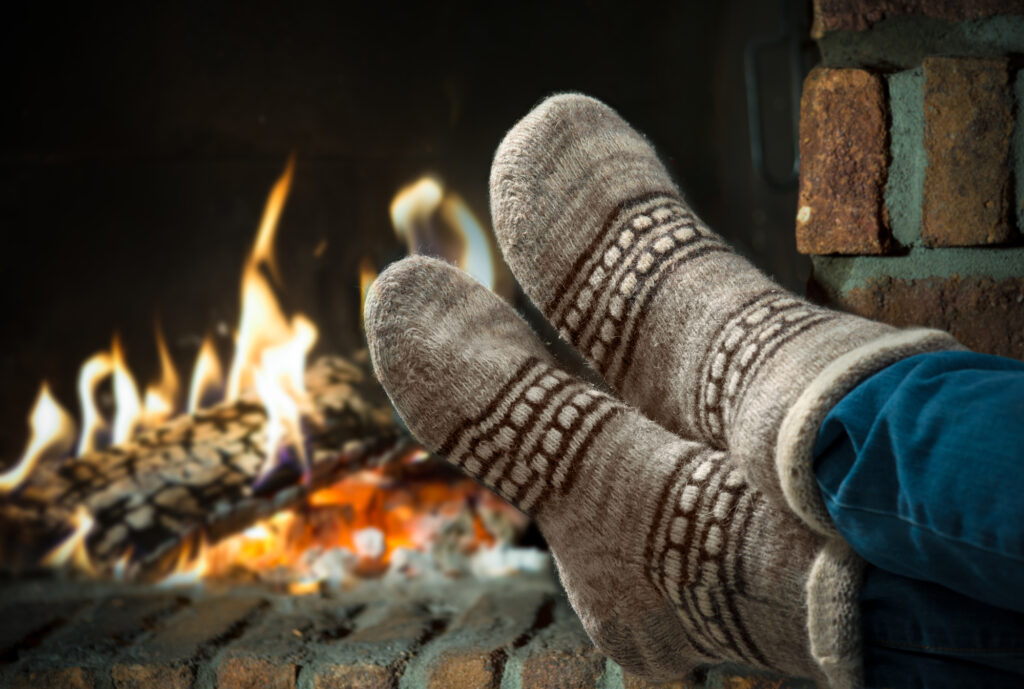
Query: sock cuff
[[799, 430], [833, 614]]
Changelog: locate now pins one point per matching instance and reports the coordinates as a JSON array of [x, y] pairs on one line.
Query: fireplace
[[188, 188]]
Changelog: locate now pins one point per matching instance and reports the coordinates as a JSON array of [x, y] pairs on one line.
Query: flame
[[207, 375], [72, 551], [413, 206], [128, 406], [367, 274], [262, 322], [93, 371], [477, 258], [162, 398], [52, 433], [434, 221], [192, 566]]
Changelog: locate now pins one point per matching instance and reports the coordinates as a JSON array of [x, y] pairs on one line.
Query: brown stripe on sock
[[519, 455], [454, 437], [700, 409], [788, 333], [595, 250], [681, 251], [590, 327], [659, 514], [625, 357], [595, 430], [561, 456]]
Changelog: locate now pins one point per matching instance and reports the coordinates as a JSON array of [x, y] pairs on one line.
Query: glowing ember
[[52, 433]]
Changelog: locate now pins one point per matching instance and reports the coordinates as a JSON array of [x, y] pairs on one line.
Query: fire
[[95, 369], [367, 274], [207, 376], [162, 397], [364, 525], [437, 222], [72, 550], [128, 406], [52, 433]]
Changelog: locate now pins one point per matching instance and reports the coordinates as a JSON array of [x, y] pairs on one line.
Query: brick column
[[912, 167]]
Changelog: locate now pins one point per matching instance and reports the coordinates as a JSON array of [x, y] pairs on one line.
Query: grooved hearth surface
[[511, 633]]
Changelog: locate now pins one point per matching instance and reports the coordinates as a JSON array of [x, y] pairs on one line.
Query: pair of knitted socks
[[681, 512]]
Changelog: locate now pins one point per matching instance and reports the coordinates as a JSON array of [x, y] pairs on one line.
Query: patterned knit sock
[[670, 558], [676, 322]]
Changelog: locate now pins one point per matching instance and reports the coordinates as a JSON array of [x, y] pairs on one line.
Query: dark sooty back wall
[[138, 145]]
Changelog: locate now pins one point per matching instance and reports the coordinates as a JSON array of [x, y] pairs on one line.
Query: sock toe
[[442, 344], [556, 179]]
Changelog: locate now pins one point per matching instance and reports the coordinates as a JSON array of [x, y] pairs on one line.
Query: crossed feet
[[682, 513]]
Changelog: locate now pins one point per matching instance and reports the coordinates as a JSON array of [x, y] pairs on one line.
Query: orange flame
[[72, 551], [162, 397], [430, 219], [128, 406], [367, 274], [95, 369], [52, 433], [207, 375]]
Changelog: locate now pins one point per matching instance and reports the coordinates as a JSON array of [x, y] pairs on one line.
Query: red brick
[[479, 641], [562, 657], [375, 655], [164, 659], [843, 164], [255, 673], [355, 676], [147, 676], [859, 15], [633, 682], [269, 654], [65, 678], [986, 315], [968, 122]]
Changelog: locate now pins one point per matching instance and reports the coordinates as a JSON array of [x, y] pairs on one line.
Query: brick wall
[[912, 167]]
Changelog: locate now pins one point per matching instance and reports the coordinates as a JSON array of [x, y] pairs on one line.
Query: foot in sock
[[670, 558], [678, 324]]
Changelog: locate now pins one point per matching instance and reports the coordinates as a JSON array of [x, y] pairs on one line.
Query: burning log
[[136, 503]]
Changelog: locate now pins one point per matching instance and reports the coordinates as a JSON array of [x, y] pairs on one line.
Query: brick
[[374, 656], [92, 639], [26, 624], [633, 682], [243, 672], [985, 314], [164, 660], [967, 127], [843, 164], [860, 15], [270, 653], [66, 678], [562, 656], [479, 641]]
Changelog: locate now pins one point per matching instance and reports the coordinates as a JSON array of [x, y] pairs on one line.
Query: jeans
[[921, 467]]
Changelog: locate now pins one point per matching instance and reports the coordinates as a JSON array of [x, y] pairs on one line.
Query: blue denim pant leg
[[922, 470]]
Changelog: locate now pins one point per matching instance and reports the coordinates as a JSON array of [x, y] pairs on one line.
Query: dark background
[[138, 144]]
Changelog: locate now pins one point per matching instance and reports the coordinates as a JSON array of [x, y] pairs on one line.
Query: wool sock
[[668, 556], [677, 323]]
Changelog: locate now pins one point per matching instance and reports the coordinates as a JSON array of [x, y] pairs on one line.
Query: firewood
[[198, 475]]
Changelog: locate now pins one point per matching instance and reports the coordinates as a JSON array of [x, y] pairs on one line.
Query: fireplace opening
[[210, 484]]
